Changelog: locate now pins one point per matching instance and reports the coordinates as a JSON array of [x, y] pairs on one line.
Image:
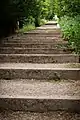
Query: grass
[[27, 28], [43, 21], [70, 27], [30, 27]]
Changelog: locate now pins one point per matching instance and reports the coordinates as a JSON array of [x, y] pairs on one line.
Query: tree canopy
[[67, 7], [12, 11], [23, 11]]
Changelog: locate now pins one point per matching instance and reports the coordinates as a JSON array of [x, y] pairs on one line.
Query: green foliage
[[67, 7], [47, 9], [69, 13], [26, 28], [24, 11], [71, 31], [43, 21]]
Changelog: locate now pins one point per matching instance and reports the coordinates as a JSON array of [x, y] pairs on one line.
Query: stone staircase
[[39, 76]]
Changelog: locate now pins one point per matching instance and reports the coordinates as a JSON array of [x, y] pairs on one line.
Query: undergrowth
[[26, 28], [70, 27], [29, 26]]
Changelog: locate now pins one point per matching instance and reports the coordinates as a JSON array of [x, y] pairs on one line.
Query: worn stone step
[[51, 23], [35, 41], [40, 71], [41, 36], [24, 38], [39, 42], [49, 27], [36, 30], [53, 30], [33, 96], [58, 115], [19, 50], [42, 33], [35, 34], [46, 31], [36, 45], [39, 58]]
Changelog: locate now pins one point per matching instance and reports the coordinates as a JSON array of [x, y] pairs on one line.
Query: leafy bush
[[70, 27], [67, 7], [26, 28]]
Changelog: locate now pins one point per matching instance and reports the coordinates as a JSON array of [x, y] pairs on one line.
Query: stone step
[[36, 30], [51, 23], [40, 71], [34, 34], [48, 27], [42, 33], [19, 50], [52, 30], [39, 58], [35, 45], [46, 31], [33, 96], [34, 41], [22, 38], [58, 115]]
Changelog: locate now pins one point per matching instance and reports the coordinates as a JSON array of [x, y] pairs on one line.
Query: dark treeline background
[[12, 11], [23, 11]]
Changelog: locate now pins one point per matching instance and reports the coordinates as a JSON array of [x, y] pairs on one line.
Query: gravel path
[[7, 115]]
